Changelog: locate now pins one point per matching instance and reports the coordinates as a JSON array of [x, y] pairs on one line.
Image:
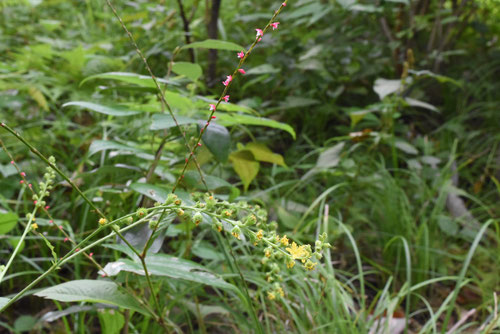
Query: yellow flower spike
[[259, 234], [102, 221], [34, 226], [284, 240]]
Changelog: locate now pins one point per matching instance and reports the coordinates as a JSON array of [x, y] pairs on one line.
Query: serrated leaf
[[114, 111], [238, 119], [214, 44], [262, 153], [95, 291], [217, 139], [7, 222], [245, 166], [189, 70]]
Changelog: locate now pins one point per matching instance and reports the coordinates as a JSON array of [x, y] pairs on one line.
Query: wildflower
[[242, 71], [51, 221], [229, 78], [212, 107], [226, 98], [65, 239], [296, 252], [180, 212], [275, 25], [241, 54], [267, 252], [310, 265], [284, 4], [102, 221], [214, 117], [91, 254], [199, 144], [290, 263], [34, 226], [21, 181], [284, 240], [23, 174], [12, 162], [271, 296], [236, 232], [260, 33], [280, 292], [259, 234]]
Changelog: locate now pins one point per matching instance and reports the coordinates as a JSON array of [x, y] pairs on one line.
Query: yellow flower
[[236, 235], [296, 252], [284, 240], [219, 228], [271, 296], [280, 292], [34, 226], [290, 263], [102, 221], [259, 234], [310, 265], [267, 253]]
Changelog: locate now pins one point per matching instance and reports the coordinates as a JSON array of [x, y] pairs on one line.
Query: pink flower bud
[[23, 174], [22, 181], [259, 32], [66, 239], [213, 117], [51, 221], [91, 254], [199, 144], [226, 98], [284, 4], [12, 161], [29, 185], [242, 71], [212, 107], [47, 207], [241, 54], [275, 25], [60, 227]]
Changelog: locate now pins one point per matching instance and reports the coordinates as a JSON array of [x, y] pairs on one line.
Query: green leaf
[[111, 321], [165, 121], [217, 140], [101, 145], [169, 266], [95, 291], [262, 153], [156, 193], [245, 166], [3, 301], [114, 111], [130, 78], [406, 147], [192, 178], [214, 44], [238, 119], [7, 222], [189, 70], [25, 323]]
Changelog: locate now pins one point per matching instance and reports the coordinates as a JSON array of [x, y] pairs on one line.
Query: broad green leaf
[[238, 119], [384, 87], [245, 166], [101, 145], [111, 321], [165, 121], [7, 222], [297, 102], [217, 140], [189, 70], [288, 219], [406, 147], [205, 310], [169, 266], [262, 153], [193, 179], [156, 193], [263, 69], [7, 170], [130, 78], [25, 323], [114, 111], [214, 44], [95, 291]]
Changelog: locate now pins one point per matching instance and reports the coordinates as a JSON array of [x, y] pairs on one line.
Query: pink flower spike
[[260, 33], [226, 98], [66, 239], [229, 78], [212, 107], [275, 25], [241, 54], [23, 174], [242, 71]]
